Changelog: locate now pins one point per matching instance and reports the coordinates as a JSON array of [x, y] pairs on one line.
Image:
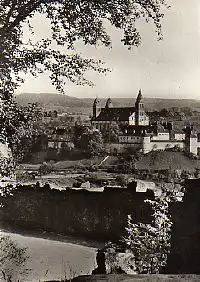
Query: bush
[[146, 245], [45, 168], [25, 176], [121, 180], [52, 154], [12, 260]]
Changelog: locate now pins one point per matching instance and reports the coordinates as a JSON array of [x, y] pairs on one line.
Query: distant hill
[[59, 102], [64, 103]]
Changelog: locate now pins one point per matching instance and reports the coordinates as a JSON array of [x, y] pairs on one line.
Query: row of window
[[123, 138]]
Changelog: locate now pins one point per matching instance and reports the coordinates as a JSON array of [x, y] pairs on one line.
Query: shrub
[[13, 260], [146, 245], [45, 168]]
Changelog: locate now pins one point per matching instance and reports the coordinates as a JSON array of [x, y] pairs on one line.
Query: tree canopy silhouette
[[69, 21]]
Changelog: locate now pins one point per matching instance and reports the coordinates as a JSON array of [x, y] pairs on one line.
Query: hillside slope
[[159, 160], [64, 103]]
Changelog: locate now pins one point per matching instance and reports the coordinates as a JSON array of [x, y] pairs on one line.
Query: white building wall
[[143, 119], [149, 145], [179, 136], [161, 136], [166, 144], [193, 145], [132, 119]]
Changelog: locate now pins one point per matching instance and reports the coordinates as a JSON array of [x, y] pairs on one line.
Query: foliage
[[45, 168], [145, 247], [18, 125], [66, 151], [119, 261], [89, 140], [112, 133], [173, 113], [95, 144], [122, 180], [127, 161], [13, 260], [150, 243], [24, 176], [69, 21]]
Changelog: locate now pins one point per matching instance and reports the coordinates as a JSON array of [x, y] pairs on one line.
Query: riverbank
[[8, 228], [51, 259], [139, 277]]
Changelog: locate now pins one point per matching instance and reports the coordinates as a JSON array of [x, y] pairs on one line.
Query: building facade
[[137, 132], [103, 117]]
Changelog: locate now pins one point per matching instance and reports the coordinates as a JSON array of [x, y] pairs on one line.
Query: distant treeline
[[65, 103]]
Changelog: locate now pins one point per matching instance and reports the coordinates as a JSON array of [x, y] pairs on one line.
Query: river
[[55, 260]]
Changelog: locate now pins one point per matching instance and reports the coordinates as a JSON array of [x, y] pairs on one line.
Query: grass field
[[159, 160]]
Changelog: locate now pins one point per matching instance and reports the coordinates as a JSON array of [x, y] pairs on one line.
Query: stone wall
[[120, 147], [97, 215], [149, 145]]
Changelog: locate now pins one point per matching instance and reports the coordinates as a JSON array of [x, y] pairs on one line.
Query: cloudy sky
[[168, 69]]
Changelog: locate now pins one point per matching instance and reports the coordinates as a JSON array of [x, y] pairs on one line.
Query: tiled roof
[[115, 114]]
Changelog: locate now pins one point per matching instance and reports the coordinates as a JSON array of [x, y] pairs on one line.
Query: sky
[[169, 68]]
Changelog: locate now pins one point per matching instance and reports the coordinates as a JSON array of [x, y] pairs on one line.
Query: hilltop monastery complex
[[136, 130]]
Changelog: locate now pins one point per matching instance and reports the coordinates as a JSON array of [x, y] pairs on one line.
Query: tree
[[18, 125], [111, 134], [95, 144], [146, 245], [13, 260], [69, 21], [164, 113], [45, 168], [90, 141], [150, 243]]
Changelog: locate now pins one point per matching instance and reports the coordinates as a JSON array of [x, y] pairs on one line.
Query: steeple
[[96, 107], [139, 97], [139, 109], [139, 104], [109, 103]]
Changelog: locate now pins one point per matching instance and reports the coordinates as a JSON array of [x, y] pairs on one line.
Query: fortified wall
[[159, 144], [147, 142]]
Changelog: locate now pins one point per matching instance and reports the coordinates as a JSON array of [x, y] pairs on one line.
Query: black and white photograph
[[99, 140]]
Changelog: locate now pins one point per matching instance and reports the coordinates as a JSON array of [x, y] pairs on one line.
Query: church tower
[[139, 109], [109, 104], [96, 108]]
